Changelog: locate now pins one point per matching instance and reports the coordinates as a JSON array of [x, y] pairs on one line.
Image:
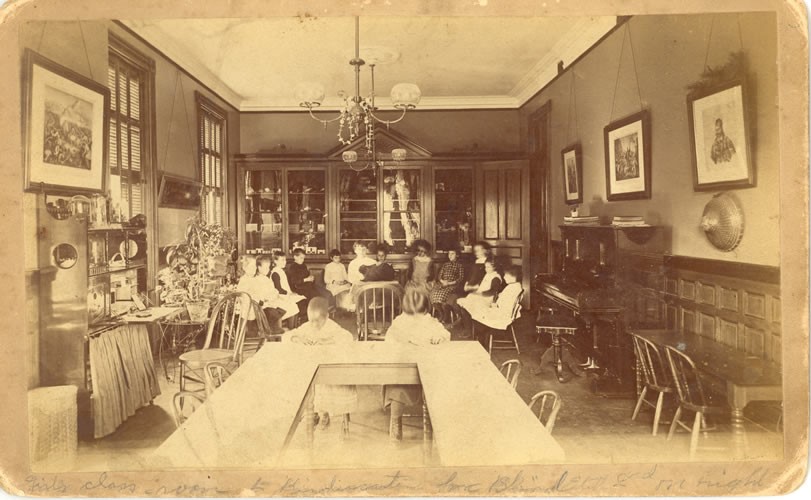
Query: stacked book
[[628, 221], [586, 219]]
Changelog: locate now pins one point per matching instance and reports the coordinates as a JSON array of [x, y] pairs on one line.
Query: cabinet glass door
[[402, 208], [264, 211], [357, 197], [453, 208], [306, 199]]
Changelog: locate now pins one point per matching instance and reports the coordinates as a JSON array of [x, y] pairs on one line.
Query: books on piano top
[[628, 221], [586, 219]]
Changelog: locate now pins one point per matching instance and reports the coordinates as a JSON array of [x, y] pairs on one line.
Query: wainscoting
[[736, 304]]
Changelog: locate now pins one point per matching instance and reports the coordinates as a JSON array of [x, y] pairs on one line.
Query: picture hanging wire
[[705, 68], [619, 66], [572, 100], [178, 82], [84, 45]]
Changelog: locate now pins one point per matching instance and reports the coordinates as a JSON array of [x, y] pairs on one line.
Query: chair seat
[[200, 357]]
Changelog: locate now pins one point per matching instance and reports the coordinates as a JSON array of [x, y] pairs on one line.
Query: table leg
[[738, 433], [309, 418], [427, 433]]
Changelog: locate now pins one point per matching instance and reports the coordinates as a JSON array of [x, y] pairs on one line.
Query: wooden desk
[[477, 418], [746, 378]]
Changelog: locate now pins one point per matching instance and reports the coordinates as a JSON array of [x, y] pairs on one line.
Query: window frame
[[207, 109]]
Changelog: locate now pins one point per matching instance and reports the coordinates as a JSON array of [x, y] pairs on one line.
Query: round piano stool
[[556, 325]]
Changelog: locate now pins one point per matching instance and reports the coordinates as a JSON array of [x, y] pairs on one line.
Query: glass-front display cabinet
[[402, 208], [264, 211], [453, 208], [357, 200], [307, 211]]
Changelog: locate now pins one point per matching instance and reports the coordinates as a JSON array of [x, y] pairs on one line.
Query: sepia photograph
[[573, 174], [323, 251]]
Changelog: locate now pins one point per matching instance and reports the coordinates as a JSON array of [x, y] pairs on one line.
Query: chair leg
[[490, 348], [658, 413], [694, 434], [182, 376], [473, 330], [515, 340], [674, 423], [639, 403]]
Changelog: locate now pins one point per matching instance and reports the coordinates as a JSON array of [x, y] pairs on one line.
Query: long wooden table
[[745, 378], [477, 418]]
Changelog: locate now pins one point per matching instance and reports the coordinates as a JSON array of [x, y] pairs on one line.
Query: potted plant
[[194, 264]]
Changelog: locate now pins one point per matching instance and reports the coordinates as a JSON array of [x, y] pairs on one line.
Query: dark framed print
[[628, 158], [719, 138], [572, 174], [64, 128], [179, 192]]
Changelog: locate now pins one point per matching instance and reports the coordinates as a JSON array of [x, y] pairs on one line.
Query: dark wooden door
[[503, 211], [539, 165]]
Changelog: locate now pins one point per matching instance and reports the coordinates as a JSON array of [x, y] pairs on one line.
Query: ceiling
[[458, 62]]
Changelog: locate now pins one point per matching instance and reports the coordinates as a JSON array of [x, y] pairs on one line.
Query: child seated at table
[[415, 327], [278, 276], [318, 331], [381, 270], [499, 314], [484, 295], [267, 291], [354, 274], [337, 280], [448, 281], [301, 279], [248, 283]]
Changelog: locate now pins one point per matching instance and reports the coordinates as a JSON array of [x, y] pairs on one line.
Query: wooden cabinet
[[451, 200]]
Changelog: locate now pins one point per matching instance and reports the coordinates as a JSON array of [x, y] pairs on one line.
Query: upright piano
[[609, 278]]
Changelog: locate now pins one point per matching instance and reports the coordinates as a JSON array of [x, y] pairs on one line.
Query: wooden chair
[[513, 342], [215, 374], [549, 404], [656, 377], [511, 369], [692, 397], [181, 410], [224, 339], [376, 305]]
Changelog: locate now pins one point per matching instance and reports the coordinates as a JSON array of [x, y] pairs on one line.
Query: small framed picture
[[628, 158], [572, 175], [719, 138]]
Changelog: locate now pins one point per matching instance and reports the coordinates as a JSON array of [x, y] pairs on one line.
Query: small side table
[[177, 335], [556, 325]]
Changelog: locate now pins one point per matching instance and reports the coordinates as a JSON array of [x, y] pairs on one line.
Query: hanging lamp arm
[[389, 122]]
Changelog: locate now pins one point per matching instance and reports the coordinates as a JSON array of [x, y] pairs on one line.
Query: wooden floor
[[591, 429]]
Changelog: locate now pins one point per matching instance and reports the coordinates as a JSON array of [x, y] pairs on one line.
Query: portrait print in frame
[[64, 132], [628, 158], [719, 138], [572, 174]]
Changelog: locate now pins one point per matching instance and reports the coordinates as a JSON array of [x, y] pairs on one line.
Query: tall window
[[211, 122], [126, 83]]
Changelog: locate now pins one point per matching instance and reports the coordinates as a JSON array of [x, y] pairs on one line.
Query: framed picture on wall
[[64, 128], [719, 138], [572, 175], [179, 192], [628, 158]]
